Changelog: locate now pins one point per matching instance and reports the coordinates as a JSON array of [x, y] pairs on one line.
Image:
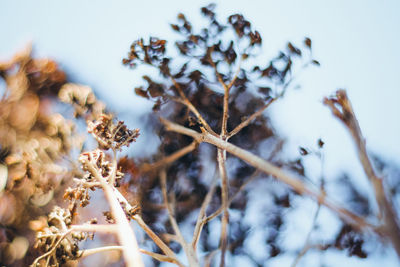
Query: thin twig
[[307, 244], [192, 108], [225, 113], [160, 257], [168, 252], [169, 159], [250, 119], [86, 184], [232, 198], [52, 250], [236, 75], [209, 257], [192, 258], [202, 213]]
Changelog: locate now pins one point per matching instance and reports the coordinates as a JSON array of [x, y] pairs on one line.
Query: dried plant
[[219, 156]]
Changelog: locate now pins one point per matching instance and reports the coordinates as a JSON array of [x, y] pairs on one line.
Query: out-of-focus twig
[[342, 109], [202, 213], [190, 106], [250, 119], [189, 251], [169, 159]]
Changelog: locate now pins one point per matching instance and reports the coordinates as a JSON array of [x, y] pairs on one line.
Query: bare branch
[[209, 257], [155, 238], [294, 182], [169, 159], [224, 196], [160, 257], [225, 113], [232, 198], [249, 119], [192, 108], [221, 158]]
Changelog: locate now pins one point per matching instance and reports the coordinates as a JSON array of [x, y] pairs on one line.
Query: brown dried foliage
[[36, 145]]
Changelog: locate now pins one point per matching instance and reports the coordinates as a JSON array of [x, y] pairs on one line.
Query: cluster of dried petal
[[83, 99], [110, 134]]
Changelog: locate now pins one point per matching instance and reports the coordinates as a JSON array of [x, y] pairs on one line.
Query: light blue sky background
[[357, 43]]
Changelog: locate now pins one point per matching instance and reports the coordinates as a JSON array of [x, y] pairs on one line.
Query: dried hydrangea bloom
[[55, 230], [111, 135]]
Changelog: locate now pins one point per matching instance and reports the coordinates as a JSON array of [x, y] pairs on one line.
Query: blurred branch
[[103, 228], [202, 213], [169, 159], [342, 109], [232, 198], [190, 253], [250, 119], [294, 182], [307, 243], [92, 251], [221, 158], [192, 108]]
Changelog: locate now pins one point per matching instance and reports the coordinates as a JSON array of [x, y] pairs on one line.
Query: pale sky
[[357, 43]]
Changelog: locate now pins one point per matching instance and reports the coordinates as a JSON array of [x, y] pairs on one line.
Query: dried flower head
[[111, 135], [53, 241], [56, 240]]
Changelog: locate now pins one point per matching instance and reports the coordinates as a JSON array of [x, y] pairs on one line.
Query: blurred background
[[356, 42]]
